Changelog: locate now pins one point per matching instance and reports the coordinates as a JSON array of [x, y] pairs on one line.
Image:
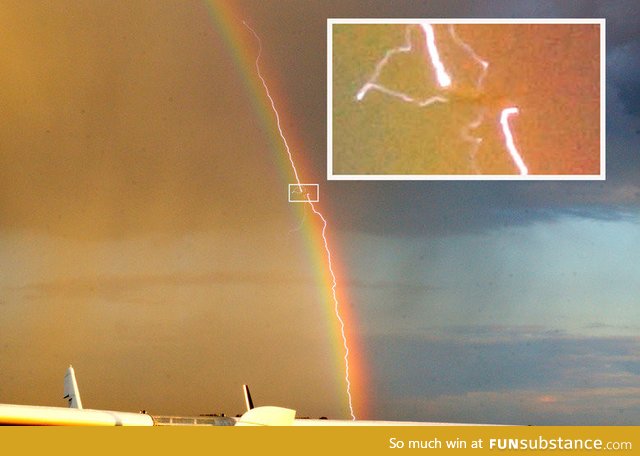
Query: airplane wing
[[75, 415], [35, 415]]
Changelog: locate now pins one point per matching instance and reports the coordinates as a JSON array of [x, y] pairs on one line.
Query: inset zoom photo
[[431, 99]]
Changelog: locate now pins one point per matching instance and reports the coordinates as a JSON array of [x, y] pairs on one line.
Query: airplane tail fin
[[264, 416], [71, 391], [247, 397]]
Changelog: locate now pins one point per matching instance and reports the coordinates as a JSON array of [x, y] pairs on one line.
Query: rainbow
[[243, 48]]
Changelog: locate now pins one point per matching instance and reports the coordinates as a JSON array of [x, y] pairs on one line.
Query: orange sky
[[146, 236]]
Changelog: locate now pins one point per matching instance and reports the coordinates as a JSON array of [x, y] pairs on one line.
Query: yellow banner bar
[[324, 440]]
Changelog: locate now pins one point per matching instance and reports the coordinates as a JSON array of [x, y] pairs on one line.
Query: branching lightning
[[372, 83], [483, 63], [444, 82], [318, 214]]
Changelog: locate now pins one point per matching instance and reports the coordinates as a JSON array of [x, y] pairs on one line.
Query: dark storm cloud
[[620, 14], [418, 208], [624, 73], [423, 208]]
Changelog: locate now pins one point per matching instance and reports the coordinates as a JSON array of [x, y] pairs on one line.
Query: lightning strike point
[[318, 214]]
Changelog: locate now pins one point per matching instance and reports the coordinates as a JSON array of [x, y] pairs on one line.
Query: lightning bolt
[[483, 63], [317, 213], [475, 141], [444, 81], [508, 137], [372, 83]]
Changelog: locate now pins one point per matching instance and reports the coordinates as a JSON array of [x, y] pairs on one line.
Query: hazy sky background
[[146, 238]]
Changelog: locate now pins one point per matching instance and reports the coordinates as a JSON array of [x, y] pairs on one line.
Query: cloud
[[485, 374], [419, 208], [580, 406], [622, 26], [624, 71], [437, 208]]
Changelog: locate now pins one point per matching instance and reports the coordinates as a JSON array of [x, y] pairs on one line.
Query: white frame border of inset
[[467, 177]]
